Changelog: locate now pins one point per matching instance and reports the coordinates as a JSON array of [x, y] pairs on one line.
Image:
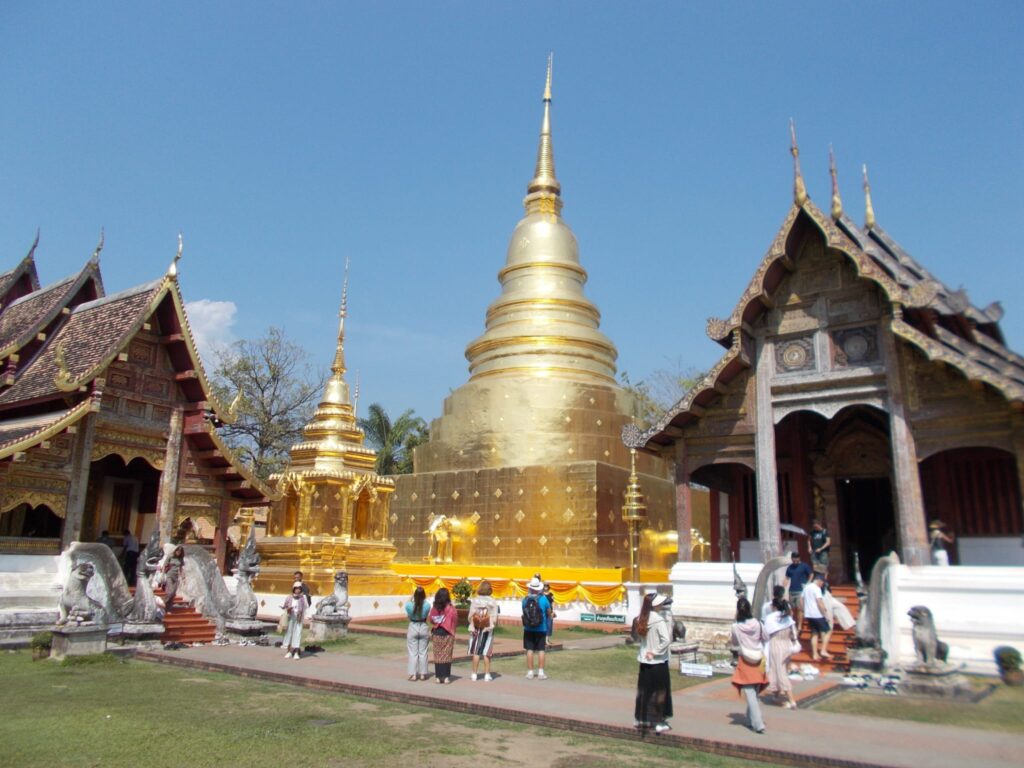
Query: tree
[[279, 392], [661, 389], [393, 441]]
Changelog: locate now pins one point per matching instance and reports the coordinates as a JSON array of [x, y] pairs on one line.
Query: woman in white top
[[653, 685], [782, 644]]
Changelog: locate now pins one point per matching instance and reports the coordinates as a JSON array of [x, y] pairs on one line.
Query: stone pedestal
[[141, 635], [867, 660], [324, 628], [78, 640], [244, 629], [939, 681]]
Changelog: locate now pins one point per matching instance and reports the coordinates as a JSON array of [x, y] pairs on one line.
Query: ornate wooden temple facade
[[107, 419], [857, 389]]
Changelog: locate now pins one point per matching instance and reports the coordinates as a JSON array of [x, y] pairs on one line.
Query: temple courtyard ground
[[352, 705]]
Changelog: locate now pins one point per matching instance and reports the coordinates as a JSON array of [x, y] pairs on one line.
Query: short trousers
[[534, 641], [820, 626]]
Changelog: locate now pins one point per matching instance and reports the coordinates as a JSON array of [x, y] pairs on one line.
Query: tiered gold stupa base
[[368, 564]]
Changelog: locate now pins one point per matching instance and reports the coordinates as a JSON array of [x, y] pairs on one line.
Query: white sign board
[[695, 670]]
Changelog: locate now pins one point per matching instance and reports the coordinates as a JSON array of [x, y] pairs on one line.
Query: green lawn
[[129, 713], [1002, 710]]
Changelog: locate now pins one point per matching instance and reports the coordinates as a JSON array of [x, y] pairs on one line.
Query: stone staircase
[[184, 624], [841, 641]]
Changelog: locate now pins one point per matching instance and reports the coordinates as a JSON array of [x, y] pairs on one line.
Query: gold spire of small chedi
[[837, 202], [333, 514], [799, 190], [869, 210]]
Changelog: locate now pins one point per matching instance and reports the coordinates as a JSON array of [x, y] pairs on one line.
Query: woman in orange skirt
[[749, 636]]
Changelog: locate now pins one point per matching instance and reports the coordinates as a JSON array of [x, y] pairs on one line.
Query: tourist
[[778, 593], [105, 539], [939, 539], [483, 619], [172, 575], [835, 611], [550, 615], [782, 644], [653, 684], [417, 637], [297, 577], [797, 575], [442, 619], [814, 612], [535, 630], [748, 678], [295, 606], [131, 556], [821, 543]]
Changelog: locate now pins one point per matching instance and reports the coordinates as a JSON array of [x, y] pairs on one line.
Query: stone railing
[[18, 545]]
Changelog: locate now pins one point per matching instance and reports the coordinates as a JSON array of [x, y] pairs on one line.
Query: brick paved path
[[708, 717]]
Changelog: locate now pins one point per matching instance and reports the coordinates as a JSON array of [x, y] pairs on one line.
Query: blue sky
[[282, 138]]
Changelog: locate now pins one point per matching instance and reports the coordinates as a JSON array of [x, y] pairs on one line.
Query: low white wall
[[704, 590], [976, 608], [38, 564], [991, 550]]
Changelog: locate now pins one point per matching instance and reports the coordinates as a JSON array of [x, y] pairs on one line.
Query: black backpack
[[533, 616]]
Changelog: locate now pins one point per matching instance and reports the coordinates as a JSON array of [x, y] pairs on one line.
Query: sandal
[[413, 678]]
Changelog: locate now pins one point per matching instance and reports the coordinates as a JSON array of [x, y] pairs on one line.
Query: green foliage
[[41, 640], [1007, 658], [461, 592], [279, 390], [657, 392], [92, 660], [393, 441]]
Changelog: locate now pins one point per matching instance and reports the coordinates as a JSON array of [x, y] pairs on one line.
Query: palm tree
[[393, 440]]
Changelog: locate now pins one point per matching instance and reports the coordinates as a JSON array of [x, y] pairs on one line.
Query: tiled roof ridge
[[119, 296]]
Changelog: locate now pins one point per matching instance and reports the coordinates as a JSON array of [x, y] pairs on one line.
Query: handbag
[[751, 656], [282, 623]]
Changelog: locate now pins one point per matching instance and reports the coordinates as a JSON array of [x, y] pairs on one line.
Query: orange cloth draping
[[599, 595]]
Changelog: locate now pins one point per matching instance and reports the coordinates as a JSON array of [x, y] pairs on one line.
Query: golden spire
[[837, 202], [869, 210], [799, 190], [635, 507], [338, 367], [544, 191]]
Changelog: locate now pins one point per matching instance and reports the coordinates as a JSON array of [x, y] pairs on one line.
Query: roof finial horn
[[869, 210], [172, 271], [799, 190], [99, 246], [837, 201]]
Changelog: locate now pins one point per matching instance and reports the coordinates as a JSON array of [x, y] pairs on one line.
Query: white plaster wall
[[991, 550], [704, 590], [39, 564], [976, 608]]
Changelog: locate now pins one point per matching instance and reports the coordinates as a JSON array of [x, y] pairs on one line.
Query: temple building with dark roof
[[857, 389], [107, 418]]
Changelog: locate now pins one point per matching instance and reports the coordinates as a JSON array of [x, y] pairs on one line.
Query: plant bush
[[461, 593], [41, 640], [1007, 658]]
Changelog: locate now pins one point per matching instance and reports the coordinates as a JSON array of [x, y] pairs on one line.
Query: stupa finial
[[869, 210], [837, 201], [338, 367], [799, 190], [544, 191]]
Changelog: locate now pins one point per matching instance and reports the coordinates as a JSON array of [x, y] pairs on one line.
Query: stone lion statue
[[75, 605], [929, 649], [335, 604]]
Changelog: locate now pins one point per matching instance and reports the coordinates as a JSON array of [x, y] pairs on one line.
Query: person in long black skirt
[[653, 685]]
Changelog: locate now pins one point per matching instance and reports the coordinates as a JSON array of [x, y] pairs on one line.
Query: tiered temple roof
[[942, 323], [57, 342]]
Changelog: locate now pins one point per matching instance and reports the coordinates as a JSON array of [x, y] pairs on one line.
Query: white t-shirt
[[812, 594]]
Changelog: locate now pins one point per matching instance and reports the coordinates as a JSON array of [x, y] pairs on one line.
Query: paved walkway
[[708, 717]]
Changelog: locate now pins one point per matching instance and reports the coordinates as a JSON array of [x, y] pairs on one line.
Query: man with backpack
[[536, 608]]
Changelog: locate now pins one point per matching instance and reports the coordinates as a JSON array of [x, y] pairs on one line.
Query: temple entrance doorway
[[868, 519], [121, 497], [732, 517]]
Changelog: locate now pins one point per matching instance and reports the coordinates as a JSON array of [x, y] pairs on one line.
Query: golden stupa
[[334, 510], [525, 469]]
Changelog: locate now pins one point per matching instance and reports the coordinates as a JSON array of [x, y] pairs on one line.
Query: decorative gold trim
[[49, 431]]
